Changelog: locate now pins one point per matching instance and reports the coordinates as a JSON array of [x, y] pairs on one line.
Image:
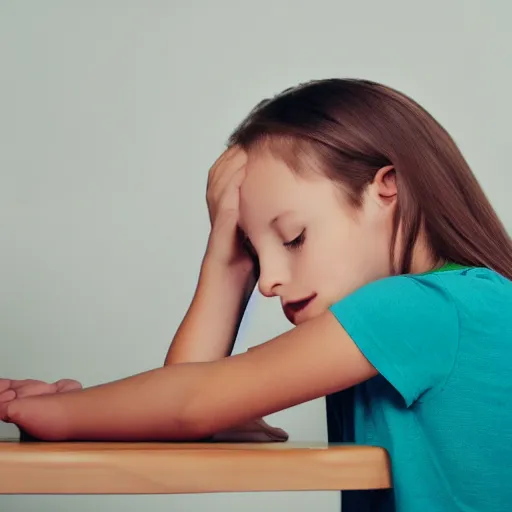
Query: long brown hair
[[350, 128]]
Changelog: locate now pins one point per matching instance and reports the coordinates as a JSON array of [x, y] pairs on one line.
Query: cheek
[[322, 268], [341, 265]]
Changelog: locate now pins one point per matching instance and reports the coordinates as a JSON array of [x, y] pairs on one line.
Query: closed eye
[[296, 243]]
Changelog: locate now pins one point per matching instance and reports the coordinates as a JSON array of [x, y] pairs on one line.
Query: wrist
[[239, 275]]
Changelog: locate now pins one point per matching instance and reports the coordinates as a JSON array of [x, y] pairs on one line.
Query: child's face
[[334, 249]]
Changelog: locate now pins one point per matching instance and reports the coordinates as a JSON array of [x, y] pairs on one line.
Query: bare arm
[[228, 272], [228, 275], [192, 401], [210, 327]]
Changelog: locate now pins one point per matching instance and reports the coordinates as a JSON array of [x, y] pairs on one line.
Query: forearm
[[152, 405], [155, 404], [210, 327]]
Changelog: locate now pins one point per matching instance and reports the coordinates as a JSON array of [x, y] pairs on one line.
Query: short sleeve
[[407, 327]]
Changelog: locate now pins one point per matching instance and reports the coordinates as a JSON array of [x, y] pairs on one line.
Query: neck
[[423, 259]]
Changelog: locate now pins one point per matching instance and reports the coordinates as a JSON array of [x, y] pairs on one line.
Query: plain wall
[[111, 113]]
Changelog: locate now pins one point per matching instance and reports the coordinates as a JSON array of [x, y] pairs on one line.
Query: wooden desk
[[178, 468]]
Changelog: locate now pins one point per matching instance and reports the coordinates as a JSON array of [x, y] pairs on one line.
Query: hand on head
[[225, 244]]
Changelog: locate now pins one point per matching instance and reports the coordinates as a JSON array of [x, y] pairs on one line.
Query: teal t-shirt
[[442, 344]]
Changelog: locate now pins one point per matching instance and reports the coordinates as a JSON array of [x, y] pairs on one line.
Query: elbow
[[198, 420], [193, 428]]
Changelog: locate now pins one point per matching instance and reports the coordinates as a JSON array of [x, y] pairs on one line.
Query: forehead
[[271, 188], [267, 180]]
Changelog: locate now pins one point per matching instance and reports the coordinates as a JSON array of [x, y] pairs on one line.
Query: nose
[[266, 288], [270, 280]]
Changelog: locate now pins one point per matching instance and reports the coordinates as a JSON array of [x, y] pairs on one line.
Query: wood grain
[[178, 468]]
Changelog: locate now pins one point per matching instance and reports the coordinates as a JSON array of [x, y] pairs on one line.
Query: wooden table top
[[179, 468]]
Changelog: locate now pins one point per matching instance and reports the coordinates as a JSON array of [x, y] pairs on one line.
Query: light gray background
[[111, 113]]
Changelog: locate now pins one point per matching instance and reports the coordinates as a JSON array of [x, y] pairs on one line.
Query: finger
[[274, 430], [65, 385], [230, 196], [16, 384], [220, 180], [232, 163], [3, 412], [5, 384], [36, 389], [7, 396], [235, 180], [278, 432], [226, 155], [225, 172], [226, 195], [251, 432]]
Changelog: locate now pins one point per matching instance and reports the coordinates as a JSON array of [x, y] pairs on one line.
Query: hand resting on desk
[[254, 431]]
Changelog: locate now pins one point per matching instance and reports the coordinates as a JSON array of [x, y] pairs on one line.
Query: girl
[[350, 203]]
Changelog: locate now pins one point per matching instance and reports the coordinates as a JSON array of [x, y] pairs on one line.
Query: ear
[[384, 185]]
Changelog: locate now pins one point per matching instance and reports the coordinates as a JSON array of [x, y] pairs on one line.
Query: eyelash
[[296, 243]]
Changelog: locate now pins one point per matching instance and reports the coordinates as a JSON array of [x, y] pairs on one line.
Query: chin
[[309, 316]]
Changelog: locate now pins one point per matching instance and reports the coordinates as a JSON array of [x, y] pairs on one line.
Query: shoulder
[[420, 293], [477, 293], [408, 328], [431, 289]]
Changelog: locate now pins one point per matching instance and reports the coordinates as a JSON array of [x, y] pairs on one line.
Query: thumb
[[4, 412]]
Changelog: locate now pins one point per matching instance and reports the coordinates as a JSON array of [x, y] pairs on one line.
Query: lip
[[292, 309]]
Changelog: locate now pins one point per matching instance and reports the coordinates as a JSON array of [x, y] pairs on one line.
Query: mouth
[[292, 309]]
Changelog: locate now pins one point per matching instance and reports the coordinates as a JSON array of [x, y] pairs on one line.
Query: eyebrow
[[277, 217], [271, 223]]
